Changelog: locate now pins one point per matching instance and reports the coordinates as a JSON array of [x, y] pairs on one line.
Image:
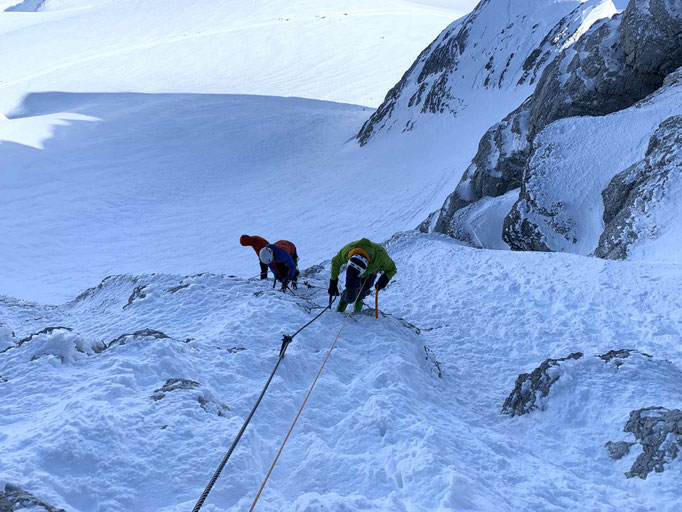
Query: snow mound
[[404, 416], [600, 391], [198, 381]]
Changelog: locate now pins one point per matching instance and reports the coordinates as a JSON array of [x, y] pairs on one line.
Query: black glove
[[285, 282], [264, 275], [263, 271], [333, 288], [382, 282]]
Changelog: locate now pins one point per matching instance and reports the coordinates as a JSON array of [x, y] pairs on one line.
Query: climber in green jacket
[[365, 259]]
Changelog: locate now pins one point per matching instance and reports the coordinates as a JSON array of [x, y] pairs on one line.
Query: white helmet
[[266, 255], [358, 262]]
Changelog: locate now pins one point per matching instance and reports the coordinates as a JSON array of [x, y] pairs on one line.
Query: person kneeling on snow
[[281, 257], [365, 259]]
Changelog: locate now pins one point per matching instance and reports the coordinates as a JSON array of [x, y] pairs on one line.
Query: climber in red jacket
[[281, 257]]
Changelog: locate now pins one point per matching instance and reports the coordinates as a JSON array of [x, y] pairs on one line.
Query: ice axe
[[376, 304]]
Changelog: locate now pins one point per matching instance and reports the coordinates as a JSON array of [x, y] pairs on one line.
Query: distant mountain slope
[[489, 59], [350, 52]]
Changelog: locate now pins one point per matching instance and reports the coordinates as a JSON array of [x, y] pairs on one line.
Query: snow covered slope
[[126, 398], [574, 161], [93, 184], [558, 153]]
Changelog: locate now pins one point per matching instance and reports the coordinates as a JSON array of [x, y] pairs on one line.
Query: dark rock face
[[126, 338], [659, 431], [173, 385], [496, 169], [590, 78], [616, 356], [651, 36], [439, 57], [531, 387], [13, 499], [637, 192], [523, 234]]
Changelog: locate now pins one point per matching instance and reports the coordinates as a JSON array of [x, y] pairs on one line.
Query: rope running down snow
[[291, 428], [286, 339]]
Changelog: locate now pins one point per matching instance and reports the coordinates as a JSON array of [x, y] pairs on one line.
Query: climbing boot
[[341, 307], [357, 307]]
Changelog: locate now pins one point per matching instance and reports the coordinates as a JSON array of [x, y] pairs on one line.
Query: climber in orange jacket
[[281, 257]]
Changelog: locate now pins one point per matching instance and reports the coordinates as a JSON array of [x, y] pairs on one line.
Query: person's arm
[[289, 262], [263, 270], [387, 264], [338, 260]]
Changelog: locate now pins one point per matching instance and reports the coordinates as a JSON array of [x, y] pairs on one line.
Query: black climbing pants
[[353, 284]]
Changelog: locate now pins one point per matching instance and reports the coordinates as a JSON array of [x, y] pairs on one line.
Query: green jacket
[[378, 258]]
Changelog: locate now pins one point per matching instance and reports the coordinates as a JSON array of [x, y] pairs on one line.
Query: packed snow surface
[[87, 425]]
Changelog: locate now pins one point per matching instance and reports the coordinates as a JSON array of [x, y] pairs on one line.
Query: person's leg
[[367, 286], [353, 284]]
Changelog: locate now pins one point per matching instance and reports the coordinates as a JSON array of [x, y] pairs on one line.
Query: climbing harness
[[286, 339], [291, 428]]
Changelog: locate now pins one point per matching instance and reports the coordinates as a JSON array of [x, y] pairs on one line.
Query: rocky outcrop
[[137, 335], [616, 356], [652, 32], [14, 499], [642, 201], [659, 431], [600, 75], [482, 51], [605, 71], [590, 78], [173, 385], [138, 294], [531, 388], [496, 169], [205, 399]]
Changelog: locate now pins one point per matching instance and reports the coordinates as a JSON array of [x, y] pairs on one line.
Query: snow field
[[168, 183], [268, 47]]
